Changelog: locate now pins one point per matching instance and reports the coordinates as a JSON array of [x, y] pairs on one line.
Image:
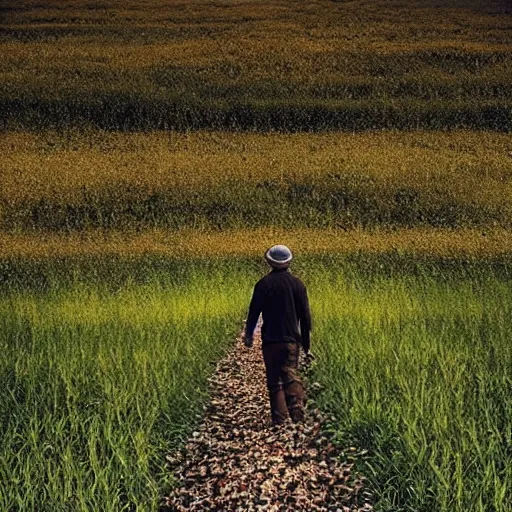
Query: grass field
[[417, 367], [468, 245], [170, 180], [257, 65], [151, 151], [105, 360], [102, 376]]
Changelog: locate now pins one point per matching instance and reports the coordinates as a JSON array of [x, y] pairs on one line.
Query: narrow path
[[237, 461]]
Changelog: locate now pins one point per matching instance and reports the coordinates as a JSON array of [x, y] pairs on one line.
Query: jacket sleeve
[[304, 318], [254, 311]]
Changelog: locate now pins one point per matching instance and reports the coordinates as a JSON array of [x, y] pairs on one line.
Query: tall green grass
[[417, 365], [100, 379], [103, 367]]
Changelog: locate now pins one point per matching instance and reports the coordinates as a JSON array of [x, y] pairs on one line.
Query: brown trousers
[[286, 391]]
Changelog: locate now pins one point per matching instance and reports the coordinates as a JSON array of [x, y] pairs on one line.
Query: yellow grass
[[467, 167], [71, 48], [469, 243]]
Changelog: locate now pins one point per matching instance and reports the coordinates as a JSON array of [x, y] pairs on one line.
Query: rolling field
[[172, 181], [151, 152], [257, 65]]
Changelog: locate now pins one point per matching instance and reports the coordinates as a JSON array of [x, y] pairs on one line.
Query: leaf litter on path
[[238, 461]]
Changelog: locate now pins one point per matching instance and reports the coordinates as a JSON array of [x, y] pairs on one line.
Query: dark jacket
[[282, 300]]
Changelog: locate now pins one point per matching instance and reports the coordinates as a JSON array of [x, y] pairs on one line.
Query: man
[[282, 300]]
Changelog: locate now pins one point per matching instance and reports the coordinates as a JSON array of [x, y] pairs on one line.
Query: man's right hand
[[309, 358]]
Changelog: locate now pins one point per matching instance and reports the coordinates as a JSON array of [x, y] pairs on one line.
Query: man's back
[[282, 300]]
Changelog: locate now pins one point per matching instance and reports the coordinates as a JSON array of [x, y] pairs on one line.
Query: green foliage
[[102, 378], [416, 365], [103, 367]]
